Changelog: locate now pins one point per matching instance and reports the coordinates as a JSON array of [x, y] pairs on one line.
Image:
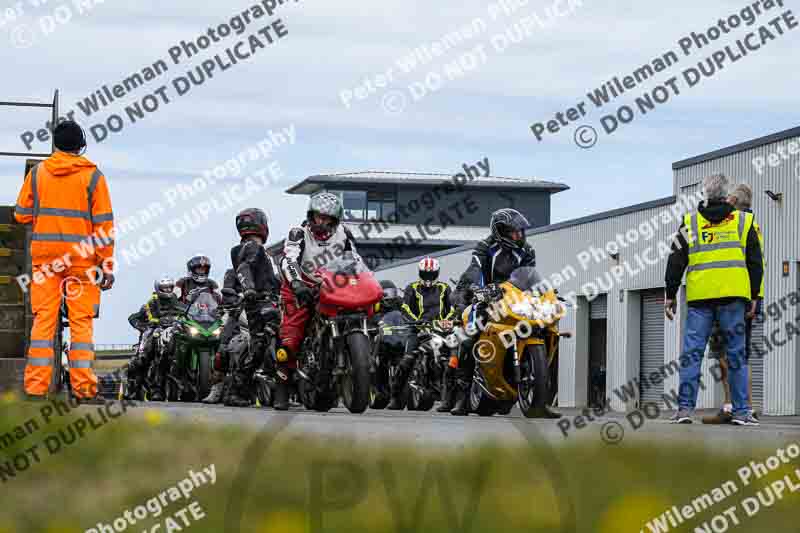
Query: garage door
[[652, 345], [757, 346], [598, 308]]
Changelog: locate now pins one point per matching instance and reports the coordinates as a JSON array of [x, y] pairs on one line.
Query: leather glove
[[107, 281], [302, 293], [250, 295]]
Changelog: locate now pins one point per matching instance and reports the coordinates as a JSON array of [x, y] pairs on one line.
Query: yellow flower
[[283, 522], [154, 417], [631, 513], [9, 397]]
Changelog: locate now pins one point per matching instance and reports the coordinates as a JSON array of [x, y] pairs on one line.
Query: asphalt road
[[435, 429]]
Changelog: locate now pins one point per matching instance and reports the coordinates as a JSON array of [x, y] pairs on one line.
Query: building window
[[363, 205], [355, 203], [382, 205]]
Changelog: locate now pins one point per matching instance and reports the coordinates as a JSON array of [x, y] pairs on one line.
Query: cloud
[[334, 46]]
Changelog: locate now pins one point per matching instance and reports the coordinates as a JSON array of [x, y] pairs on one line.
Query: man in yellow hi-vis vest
[[741, 199], [719, 249]]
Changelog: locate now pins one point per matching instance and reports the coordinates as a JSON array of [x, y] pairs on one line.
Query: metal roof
[[314, 183], [669, 200], [741, 147]]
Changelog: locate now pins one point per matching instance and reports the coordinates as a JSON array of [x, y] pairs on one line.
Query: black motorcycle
[[428, 379]]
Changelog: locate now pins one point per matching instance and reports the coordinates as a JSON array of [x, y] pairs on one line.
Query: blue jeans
[[698, 329]]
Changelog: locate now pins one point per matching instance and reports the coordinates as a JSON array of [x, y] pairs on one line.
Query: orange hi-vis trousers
[[82, 298]]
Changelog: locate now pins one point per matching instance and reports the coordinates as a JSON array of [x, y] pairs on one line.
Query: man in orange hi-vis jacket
[[65, 199]]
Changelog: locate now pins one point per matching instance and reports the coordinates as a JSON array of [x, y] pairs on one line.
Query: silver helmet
[[164, 287], [327, 204]]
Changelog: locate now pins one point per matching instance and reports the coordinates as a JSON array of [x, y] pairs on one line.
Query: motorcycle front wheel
[[479, 402], [533, 388], [419, 398], [203, 373], [355, 384]]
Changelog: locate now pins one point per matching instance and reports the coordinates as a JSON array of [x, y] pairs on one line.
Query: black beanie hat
[[68, 136]]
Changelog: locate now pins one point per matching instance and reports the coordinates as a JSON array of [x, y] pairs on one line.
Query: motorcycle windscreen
[[394, 337], [348, 283], [204, 310], [528, 278]]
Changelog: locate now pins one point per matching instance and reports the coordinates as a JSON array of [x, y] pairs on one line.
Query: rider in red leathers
[[318, 240]]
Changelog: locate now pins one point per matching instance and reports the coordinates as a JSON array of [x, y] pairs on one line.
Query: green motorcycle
[[196, 341]]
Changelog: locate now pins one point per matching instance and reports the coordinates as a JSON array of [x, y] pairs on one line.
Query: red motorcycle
[[335, 354]]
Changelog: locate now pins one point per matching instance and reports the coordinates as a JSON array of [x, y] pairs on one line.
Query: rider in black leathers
[[492, 262], [197, 280], [259, 286], [425, 300], [158, 312]]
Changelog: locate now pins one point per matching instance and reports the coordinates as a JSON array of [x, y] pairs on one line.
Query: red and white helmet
[[429, 270]]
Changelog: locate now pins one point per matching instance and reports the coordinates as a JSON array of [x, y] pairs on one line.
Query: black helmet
[[328, 204], [392, 297], [253, 221], [164, 287], [506, 221], [199, 268], [68, 136]]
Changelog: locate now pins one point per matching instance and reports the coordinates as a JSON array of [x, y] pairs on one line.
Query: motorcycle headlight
[[217, 332], [451, 340], [193, 331], [522, 309]]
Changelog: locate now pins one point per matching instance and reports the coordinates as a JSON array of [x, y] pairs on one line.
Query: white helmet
[[429, 271]]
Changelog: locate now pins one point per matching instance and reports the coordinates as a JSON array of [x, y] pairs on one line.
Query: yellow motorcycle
[[517, 345]]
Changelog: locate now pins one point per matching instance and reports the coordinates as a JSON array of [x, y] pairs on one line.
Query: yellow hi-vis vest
[[717, 258]]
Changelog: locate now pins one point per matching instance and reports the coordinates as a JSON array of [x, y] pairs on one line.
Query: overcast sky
[[333, 47]]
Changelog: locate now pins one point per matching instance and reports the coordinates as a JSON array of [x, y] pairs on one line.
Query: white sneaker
[[745, 420], [683, 416]]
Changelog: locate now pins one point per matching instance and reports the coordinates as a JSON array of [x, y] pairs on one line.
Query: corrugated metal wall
[[652, 346], [574, 253], [781, 225]]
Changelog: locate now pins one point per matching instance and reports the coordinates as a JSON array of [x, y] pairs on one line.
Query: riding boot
[[448, 399], [239, 393], [281, 402], [159, 382], [399, 383], [215, 395], [461, 407], [133, 384]]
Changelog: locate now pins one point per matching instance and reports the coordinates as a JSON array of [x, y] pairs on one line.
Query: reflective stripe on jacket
[[717, 263], [66, 200], [445, 308]]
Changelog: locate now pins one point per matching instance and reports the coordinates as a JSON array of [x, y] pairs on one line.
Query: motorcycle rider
[[319, 237], [258, 284], [197, 280], [392, 299], [426, 299], [493, 261], [158, 312]]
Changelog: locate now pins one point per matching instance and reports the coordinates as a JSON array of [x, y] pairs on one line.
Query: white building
[[612, 265]]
